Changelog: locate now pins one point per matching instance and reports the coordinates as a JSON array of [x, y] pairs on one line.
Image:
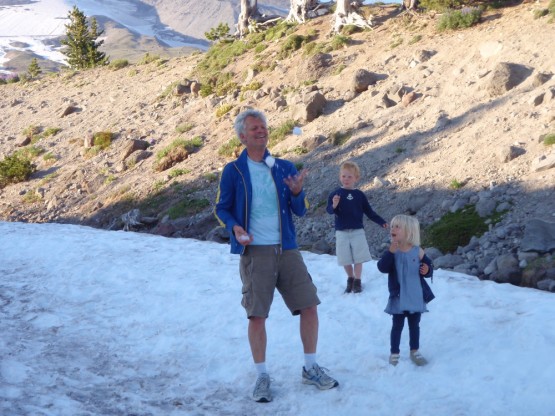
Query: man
[[257, 196]]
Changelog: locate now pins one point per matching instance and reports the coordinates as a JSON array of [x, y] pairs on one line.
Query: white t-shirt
[[264, 220]]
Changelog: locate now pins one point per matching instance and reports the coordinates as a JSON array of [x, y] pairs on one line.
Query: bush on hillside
[[14, 169], [455, 229], [460, 19]]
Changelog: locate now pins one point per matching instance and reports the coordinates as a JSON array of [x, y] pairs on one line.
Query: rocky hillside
[[435, 120]]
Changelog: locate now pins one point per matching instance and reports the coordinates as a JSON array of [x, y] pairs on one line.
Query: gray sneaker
[[317, 376], [261, 391], [417, 358]]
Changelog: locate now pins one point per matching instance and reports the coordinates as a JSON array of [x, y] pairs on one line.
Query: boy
[[349, 205]]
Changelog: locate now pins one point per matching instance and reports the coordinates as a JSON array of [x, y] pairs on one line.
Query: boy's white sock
[[261, 368], [309, 360]]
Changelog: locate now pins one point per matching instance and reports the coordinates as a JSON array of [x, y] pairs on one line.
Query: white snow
[[97, 322], [32, 24]]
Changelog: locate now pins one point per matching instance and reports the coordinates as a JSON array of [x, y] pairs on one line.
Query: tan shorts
[[265, 268], [351, 247]]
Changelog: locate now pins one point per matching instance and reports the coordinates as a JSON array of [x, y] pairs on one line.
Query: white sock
[[309, 360], [261, 368]]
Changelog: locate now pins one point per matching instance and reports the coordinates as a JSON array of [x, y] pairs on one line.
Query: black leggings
[[397, 329]]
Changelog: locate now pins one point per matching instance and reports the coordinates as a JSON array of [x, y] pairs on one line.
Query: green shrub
[[189, 145], [15, 168], [51, 131], [339, 138], [440, 5], [223, 109], [278, 134], [174, 173], [231, 148], [253, 86], [459, 19], [279, 31], [187, 207], [539, 13], [291, 44], [549, 139], [184, 127], [148, 58], [118, 64], [339, 42], [415, 39], [102, 139], [454, 229], [551, 8], [455, 184]]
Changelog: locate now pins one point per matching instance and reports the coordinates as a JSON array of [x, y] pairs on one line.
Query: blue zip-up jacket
[[234, 200]]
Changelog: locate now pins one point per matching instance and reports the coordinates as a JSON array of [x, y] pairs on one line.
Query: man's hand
[[241, 235], [295, 183]]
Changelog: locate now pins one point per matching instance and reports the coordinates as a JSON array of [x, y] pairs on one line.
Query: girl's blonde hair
[[411, 227], [351, 166]]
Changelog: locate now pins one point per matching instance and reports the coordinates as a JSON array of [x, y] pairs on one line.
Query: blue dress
[[410, 299]]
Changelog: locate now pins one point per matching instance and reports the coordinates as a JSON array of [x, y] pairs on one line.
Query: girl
[[406, 265]]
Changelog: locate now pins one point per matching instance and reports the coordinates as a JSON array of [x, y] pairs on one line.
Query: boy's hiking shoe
[[261, 391], [317, 376], [394, 359], [417, 358], [350, 282], [357, 286]]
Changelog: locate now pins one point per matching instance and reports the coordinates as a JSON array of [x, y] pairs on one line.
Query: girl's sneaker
[[394, 359], [417, 358]]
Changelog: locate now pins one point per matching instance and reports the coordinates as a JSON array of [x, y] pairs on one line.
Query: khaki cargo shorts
[[351, 247], [265, 268]]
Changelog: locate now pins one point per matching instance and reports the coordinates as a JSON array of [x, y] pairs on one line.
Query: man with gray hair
[[257, 198]]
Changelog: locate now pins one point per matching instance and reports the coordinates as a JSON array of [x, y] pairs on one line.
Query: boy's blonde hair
[[410, 225], [351, 166]]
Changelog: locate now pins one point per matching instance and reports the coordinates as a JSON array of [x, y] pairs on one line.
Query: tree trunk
[[346, 14], [298, 12], [249, 10]]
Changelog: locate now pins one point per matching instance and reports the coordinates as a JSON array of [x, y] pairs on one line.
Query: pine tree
[[82, 46], [34, 69]]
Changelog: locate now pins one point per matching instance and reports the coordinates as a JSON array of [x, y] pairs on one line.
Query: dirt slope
[[454, 131]]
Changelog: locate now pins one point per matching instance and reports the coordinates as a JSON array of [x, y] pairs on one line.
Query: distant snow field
[[27, 27]]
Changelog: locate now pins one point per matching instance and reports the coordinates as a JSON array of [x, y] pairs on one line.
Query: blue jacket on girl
[[234, 200], [387, 265]]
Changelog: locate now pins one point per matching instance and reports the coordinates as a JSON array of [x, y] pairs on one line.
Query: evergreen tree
[[82, 46], [34, 69]]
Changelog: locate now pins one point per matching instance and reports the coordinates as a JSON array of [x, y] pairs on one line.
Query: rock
[[505, 77], [507, 270], [408, 98], [485, 207], [539, 236], [506, 154], [541, 78], [133, 146], [388, 102], [543, 163], [448, 261], [362, 80], [309, 106], [433, 253]]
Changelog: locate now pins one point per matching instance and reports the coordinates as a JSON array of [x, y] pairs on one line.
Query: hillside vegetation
[[154, 136]]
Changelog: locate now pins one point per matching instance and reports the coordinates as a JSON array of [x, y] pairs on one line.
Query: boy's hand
[[335, 201], [424, 268], [386, 225]]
